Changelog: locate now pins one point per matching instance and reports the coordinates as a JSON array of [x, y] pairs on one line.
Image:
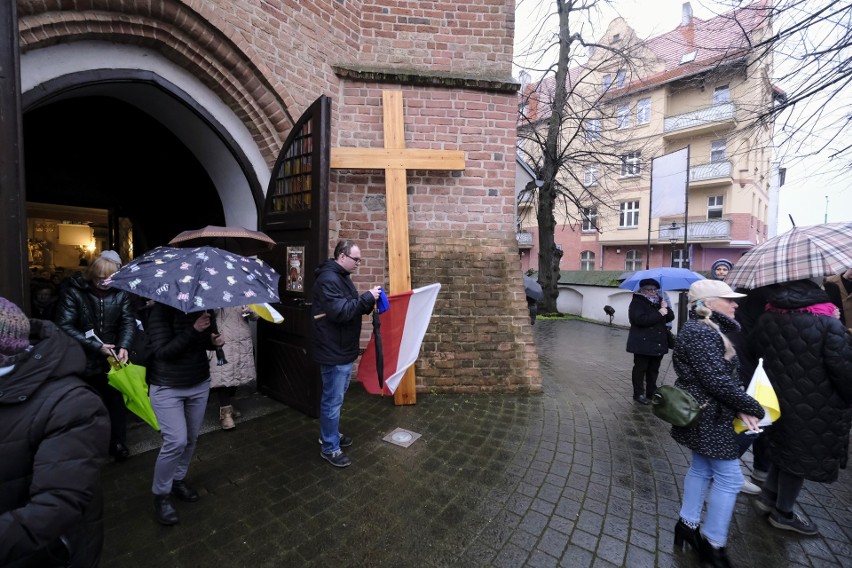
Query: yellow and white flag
[[761, 390], [267, 312]]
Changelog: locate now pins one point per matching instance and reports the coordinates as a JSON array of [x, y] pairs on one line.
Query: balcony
[[707, 175], [715, 230], [714, 118], [525, 239]]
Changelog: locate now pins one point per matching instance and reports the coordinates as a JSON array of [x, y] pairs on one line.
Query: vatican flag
[[761, 390]]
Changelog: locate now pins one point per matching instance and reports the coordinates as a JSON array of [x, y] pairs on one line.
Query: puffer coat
[[177, 353], [648, 333], [109, 313], [808, 359], [53, 444], [337, 310], [702, 371], [238, 349]]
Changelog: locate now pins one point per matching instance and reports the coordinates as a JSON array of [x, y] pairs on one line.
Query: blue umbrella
[[669, 278]]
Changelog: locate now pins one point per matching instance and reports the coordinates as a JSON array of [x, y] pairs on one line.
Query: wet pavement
[[577, 476]]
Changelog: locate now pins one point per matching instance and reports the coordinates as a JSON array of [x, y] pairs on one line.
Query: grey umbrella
[[533, 288]]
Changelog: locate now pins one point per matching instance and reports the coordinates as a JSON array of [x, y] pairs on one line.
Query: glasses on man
[[353, 258]]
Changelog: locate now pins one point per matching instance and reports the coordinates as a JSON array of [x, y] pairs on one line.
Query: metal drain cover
[[401, 437]]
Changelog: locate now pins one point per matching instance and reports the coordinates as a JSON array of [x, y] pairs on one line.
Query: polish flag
[[402, 329]]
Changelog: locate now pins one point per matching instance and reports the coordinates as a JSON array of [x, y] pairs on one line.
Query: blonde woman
[[86, 304], [706, 366]]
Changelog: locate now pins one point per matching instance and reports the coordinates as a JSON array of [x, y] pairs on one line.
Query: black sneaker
[[345, 441], [165, 511], [796, 523], [763, 503], [184, 492], [337, 459], [642, 399]]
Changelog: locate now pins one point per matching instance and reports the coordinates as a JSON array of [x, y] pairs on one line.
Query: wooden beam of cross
[[396, 160]]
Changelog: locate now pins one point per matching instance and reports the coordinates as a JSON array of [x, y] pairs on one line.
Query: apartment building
[[701, 86]]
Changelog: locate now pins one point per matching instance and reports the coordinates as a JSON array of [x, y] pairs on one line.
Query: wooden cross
[[395, 159]]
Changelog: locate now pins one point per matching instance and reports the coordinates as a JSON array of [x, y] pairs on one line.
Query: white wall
[[589, 301]]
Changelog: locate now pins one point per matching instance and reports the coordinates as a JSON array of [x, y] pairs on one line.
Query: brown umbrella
[[232, 239]]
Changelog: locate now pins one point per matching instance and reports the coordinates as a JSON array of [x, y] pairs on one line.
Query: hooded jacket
[[54, 442], [337, 330], [648, 333], [110, 315], [702, 371], [808, 359]]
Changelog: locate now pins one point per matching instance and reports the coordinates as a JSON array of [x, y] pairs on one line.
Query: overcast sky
[[808, 186]]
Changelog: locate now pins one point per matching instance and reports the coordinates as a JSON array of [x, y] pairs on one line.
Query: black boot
[[709, 556], [183, 491], [684, 534], [166, 514]]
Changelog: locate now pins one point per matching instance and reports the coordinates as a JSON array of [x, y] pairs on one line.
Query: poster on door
[[295, 268]]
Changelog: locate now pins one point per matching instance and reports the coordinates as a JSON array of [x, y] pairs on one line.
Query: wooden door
[[295, 215]]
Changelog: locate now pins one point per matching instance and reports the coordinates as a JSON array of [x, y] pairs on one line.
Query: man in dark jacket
[[807, 355], [337, 310], [54, 438], [648, 337]]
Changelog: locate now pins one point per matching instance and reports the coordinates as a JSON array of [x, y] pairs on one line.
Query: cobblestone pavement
[[578, 476]]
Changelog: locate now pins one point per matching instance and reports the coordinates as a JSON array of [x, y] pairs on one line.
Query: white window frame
[[718, 150], [628, 214], [593, 129], [622, 117], [643, 111], [587, 261], [721, 95], [590, 176], [679, 258], [715, 206], [631, 164], [633, 260], [590, 219]]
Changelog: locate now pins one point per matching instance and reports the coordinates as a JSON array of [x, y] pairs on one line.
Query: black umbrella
[[533, 288], [382, 306]]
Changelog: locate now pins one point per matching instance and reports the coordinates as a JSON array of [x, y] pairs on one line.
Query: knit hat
[[112, 256], [721, 262], [648, 282], [14, 332]]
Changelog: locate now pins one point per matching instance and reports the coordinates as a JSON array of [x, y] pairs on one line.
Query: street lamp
[[673, 239]]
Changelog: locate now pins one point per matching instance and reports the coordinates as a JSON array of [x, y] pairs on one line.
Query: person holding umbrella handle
[[179, 379]]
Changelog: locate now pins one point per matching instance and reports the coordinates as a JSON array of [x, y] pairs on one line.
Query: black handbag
[[676, 406]]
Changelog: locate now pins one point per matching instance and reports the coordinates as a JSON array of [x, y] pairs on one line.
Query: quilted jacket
[[108, 313], [703, 371], [53, 444], [808, 359]]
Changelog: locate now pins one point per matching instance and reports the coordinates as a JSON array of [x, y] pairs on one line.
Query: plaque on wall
[[295, 268]]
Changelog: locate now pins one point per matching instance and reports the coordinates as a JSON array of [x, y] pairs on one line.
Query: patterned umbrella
[[234, 239], [802, 252], [193, 280]]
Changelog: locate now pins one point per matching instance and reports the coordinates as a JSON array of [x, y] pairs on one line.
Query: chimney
[[686, 14]]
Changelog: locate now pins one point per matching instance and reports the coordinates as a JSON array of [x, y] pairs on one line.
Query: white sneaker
[[749, 488]]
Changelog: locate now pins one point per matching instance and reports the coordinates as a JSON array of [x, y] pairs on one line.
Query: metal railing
[[700, 117], [698, 230], [713, 170]]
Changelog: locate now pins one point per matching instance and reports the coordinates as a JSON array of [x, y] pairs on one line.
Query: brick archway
[[196, 40]]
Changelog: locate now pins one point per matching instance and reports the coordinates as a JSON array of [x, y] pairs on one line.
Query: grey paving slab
[[576, 476]]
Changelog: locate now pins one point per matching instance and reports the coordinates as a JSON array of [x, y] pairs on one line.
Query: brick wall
[[268, 61]]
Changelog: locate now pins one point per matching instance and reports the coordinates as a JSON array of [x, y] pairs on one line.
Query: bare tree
[[560, 128]]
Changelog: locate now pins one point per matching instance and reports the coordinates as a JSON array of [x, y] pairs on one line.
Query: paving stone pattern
[[577, 476]]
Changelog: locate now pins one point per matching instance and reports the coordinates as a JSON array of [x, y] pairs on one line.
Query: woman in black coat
[[84, 305], [648, 337], [54, 443], [807, 355], [706, 364]]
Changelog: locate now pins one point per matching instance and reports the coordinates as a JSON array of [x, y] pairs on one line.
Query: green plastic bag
[[130, 380]]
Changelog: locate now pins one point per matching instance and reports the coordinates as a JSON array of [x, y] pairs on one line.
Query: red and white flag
[[403, 326]]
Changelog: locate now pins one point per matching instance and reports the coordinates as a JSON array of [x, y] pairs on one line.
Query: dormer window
[[616, 38], [688, 57]]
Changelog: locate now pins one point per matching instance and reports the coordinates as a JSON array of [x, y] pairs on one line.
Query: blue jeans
[[179, 412], [727, 480], [335, 383]]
